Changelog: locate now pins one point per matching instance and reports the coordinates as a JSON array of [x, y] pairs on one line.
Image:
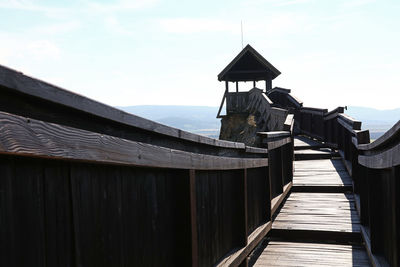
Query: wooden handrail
[[175, 192], [374, 168], [29, 137], [390, 136], [15, 82]]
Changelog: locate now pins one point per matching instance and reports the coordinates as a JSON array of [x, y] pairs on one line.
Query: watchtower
[[248, 65]]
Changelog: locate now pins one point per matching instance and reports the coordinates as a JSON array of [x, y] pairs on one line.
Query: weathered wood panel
[[219, 220], [333, 212], [236, 102], [258, 197], [22, 210], [321, 173], [275, 172], [128, 212], [30, 97], [41, 139], [74, 214], [278, 253]]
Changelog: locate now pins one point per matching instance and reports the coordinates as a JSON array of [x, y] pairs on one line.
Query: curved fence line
[[375, 169], [84, 184]]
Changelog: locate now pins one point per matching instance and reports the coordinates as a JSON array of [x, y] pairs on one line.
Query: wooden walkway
[[318, 224]]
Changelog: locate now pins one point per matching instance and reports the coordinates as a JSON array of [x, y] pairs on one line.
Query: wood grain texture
[[18, 82], [303, 142], [310, 154], [253, 240], [385, 159], [41, 139], [277, 201], [219, 218], [355, 124], [333, 212], [333, 113], [279, 253], [331, 172], [387, 138]]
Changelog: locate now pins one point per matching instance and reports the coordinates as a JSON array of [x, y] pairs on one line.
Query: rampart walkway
[[318, 224]]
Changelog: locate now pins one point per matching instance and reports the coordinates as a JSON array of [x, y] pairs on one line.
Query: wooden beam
[[222, 104], [355, 124], [348, 127], [315, 111], [37, 92], [236, 257], [367, 244], [385, 159], [193, 218], [386, 138], [32, 138], [277, 201], [333, 113], [278, 143], [245, 216], [288, 124]]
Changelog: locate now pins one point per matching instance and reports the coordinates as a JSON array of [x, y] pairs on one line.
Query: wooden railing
[[375, 169], [84, 184], [378, 175]]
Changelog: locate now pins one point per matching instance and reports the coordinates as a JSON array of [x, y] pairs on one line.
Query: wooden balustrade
[[84, 184], [312, 122], [236, 102], [375, 169]]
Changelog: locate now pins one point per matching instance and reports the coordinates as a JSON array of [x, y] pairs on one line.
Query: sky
[[158, 52]]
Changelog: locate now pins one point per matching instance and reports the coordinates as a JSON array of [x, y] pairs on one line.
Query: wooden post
[[266, 86], [254, 83], [245, 207], [226, 86], [222, 101], [193, 218], [237, 87]]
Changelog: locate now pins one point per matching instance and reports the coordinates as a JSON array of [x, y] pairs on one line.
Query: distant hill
[[371, 115], [202, 119], [197, 119], [377, 121]]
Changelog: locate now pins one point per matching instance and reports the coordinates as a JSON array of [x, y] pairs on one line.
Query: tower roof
[[248, 65]]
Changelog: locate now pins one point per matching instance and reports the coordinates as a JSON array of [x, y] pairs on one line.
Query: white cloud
[[41, 49], [292, 2], [57, 28], [189, 25], [113, 24], [17, 50], [357, 3], [27, 5], [121, 5], [86, 7], [275, 2]]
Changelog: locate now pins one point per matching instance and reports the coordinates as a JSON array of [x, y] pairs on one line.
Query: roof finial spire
[[241, 30]]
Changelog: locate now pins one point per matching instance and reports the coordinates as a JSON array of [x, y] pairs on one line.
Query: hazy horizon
[[144, 52]]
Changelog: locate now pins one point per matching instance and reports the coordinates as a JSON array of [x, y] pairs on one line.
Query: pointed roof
[[248, 65]]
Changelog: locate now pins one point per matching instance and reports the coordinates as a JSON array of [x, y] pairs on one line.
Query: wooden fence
[[84, 184], [375, 169]]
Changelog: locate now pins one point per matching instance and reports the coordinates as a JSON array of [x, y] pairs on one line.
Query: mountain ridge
[[202, 119]]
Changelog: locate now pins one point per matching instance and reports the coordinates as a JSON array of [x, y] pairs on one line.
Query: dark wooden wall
[[58, 213], [83, 184], [236, 102]]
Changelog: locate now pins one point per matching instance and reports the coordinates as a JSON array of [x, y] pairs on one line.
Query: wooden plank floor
[[318, 225], [312, 254], [302, 142], [321, 173], [333, 212]]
